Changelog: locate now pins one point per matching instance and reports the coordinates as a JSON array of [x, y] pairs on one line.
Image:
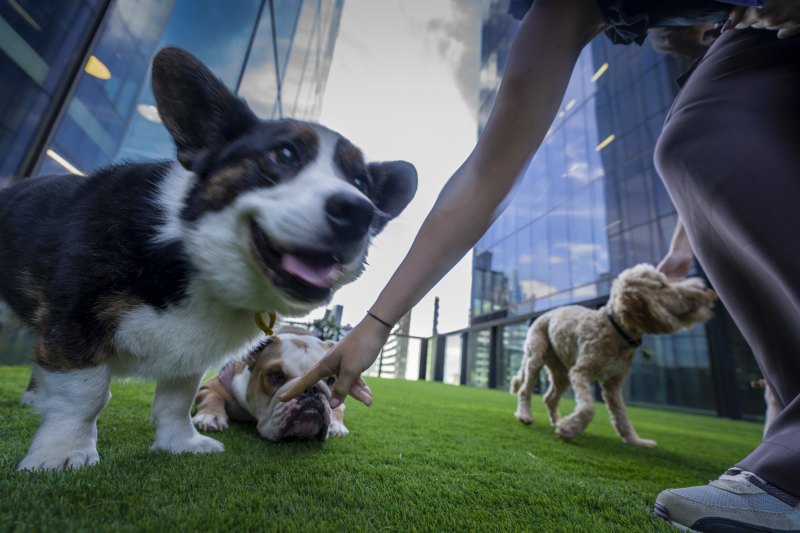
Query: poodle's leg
[[572, 426], [559, 383], [612, 394], [535, 348]]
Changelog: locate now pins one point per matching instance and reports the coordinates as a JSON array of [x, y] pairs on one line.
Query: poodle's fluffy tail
[[519, 379], [536, 332]]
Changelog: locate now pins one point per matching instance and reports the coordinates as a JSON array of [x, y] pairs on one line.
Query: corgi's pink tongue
[[322, 276]]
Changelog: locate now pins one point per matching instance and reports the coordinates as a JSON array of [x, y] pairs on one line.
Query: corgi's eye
[[284, 155], [330, 381], [361, 184], [276, 377]]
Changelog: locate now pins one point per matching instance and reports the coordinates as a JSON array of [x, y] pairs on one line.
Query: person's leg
[[730, 158]]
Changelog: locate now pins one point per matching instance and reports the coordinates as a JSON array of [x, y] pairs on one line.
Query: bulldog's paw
[[210, 422], [337, 429], [644, 443], [195, 444], [525, 418], [58, 459]]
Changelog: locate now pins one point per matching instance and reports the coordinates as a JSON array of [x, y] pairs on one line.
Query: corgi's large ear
[[200, 113], [394, 185]]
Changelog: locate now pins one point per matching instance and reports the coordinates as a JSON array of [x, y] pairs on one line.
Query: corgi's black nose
[[349, 216]]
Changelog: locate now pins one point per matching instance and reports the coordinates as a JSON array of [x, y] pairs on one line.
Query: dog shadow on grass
[[609, 449]]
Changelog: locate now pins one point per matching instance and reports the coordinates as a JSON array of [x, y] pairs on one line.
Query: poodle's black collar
[[631, 342]]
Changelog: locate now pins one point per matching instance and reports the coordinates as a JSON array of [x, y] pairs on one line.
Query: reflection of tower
[[515, 289], [490, 288], [629, 117], [401, 345], [334, 315]]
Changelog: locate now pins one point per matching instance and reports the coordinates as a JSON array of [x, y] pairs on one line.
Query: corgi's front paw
[[58, 459], [195, 444]]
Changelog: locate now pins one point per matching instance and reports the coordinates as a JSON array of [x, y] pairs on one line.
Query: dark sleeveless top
[[630, 19]]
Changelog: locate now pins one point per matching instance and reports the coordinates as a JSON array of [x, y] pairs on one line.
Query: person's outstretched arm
[[542, 58], [679, 258]]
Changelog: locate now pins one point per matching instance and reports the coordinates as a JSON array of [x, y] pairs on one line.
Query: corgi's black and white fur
[[157, 269]]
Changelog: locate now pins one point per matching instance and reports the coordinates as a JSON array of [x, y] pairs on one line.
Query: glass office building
[[74, 76], [590, 205], [75, 84]]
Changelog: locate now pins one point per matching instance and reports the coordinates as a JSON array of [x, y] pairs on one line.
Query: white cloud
[[535, 288]]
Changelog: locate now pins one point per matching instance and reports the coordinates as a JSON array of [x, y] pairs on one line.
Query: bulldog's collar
[[225, 378]]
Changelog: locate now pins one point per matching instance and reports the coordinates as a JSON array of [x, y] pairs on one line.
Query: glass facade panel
[[103, 111], [512, 352], [478, 358], [412, 360], [109, 113], [452, 359], [41, 45]]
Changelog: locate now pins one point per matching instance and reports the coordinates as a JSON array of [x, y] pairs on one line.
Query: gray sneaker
[[737, 501]]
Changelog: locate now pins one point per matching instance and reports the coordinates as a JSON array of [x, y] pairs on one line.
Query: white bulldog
[[248, 390]]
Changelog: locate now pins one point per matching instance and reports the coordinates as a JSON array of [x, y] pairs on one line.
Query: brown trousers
[[730, 158]]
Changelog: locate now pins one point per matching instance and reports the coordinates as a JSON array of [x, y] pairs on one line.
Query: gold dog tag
[[263, 326]]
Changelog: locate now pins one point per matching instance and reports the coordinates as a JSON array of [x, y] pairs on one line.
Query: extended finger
[[311, 377], [785, 33], [361, 392], [734, 18], [344, 382], [750, 18]]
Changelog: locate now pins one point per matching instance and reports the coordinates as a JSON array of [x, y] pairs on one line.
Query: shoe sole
[[660, 511], [715, 525]]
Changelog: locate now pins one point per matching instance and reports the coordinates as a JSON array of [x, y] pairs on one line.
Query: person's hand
[[347, 360], [676, 264], [780, 15]]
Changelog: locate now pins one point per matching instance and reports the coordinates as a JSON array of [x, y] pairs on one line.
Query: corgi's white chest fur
[[198, 334]]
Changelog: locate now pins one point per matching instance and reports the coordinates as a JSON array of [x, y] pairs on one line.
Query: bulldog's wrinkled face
[[272, 368]]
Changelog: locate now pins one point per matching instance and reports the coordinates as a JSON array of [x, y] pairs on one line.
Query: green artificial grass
[[426, 456]]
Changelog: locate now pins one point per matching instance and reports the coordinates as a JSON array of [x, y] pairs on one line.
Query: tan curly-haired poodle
[[579, 345]]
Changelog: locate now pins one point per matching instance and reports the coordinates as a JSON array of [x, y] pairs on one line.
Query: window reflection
[[452, 359], [478, 358], [513, 349], [42, 44], [113, 117]]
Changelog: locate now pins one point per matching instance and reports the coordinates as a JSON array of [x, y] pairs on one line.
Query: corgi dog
[[158, 269]]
